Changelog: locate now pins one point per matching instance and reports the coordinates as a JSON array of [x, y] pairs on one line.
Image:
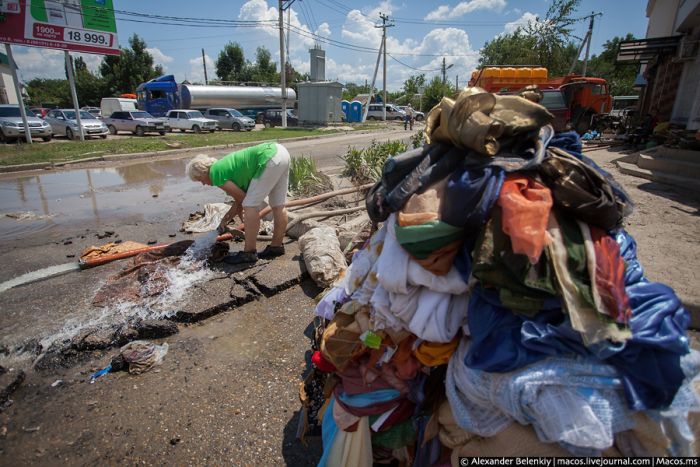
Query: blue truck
[[162, 94]]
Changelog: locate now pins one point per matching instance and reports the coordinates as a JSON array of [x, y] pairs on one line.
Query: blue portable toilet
[[355, 111], [345, 107]]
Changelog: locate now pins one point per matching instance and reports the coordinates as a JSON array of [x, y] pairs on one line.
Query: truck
[[137, 122], [162, 94], [109, 105], [585, 96]]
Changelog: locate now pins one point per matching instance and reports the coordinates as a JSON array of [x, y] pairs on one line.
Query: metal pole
[[588, 45], [283, 68], [374, 78], [457, 83], [444, 71], [18, 91], [74, 94], [204, 64]]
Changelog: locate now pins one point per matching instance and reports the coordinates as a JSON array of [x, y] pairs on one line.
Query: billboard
[[76, 25]]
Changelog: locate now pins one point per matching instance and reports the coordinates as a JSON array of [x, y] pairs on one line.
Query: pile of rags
[[500, 308]]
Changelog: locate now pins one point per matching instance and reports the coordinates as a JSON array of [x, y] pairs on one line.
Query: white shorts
[[273, 182]]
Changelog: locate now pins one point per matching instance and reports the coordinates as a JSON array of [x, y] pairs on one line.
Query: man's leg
[[252, 226], [279, 215]]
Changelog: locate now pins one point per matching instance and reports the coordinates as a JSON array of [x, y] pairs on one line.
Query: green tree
[[231, 63], [264, 70], [547, 42], [435, 91], [49, 92], [88, 86], [133, 66], [620, 77], [350, 90]]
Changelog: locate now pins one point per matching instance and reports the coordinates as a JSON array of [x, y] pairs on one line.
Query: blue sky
[[424, 33]]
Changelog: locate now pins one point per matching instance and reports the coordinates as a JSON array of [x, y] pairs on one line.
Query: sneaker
[[271, 252], [241, 257]]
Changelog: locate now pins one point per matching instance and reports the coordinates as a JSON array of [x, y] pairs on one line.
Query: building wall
[[662, 17], [686, 107], [7, 87]]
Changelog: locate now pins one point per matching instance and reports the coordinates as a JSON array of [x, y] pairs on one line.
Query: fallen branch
[[312, 214]]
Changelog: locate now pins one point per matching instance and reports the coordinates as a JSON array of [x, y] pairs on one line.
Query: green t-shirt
[[242, 166]]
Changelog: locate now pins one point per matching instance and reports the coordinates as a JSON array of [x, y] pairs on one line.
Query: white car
[[63, 122], [193, 120]]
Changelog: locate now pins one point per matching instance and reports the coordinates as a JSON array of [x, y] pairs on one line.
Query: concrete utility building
[[670, 61], [319, 100]]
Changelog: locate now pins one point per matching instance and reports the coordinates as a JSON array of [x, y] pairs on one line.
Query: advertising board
[[74, 25]]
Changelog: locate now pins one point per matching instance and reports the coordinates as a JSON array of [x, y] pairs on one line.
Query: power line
[[412, 67]]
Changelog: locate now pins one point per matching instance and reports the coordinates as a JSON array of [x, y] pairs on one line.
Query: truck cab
[[158, 95]]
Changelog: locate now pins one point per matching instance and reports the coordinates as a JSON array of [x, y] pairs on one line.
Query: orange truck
[[585, 96]]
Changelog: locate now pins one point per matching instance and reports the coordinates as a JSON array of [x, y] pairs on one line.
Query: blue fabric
[[496, 344], [470, 195], [628, 250], [568, 141], [463, 259], [328, 431], [369, 398]]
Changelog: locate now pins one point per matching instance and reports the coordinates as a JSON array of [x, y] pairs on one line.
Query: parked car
[[193, 120], [95, 111], [376, 112], [63, 122], [137, 122], [230, 118], [273, 118], [554, 101], [12, 127], [417, 114], [40, 112]]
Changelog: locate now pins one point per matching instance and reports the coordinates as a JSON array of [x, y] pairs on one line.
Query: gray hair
[[199, 166]]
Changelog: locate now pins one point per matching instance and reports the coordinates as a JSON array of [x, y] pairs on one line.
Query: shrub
[[365, 165], [305, 179]]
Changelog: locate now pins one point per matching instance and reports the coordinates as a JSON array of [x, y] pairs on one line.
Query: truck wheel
[[161, 133], [69, 134], [419, 118], [47, 138], [371, 118], [103, 136], [236, 126], [139, 130], [268, 125], [196, 129], [182, 130], [112, 129]]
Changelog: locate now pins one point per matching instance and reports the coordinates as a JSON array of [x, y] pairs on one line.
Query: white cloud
[[522, 22], [159, 58], [444, 12], [195, 74], [35, 62]]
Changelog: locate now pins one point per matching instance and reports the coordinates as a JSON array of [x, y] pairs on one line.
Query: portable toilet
[[355, 111], [345, 107]]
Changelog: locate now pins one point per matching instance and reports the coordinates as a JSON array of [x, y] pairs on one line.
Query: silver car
[[12, 127], [63, 122], [230, 118]]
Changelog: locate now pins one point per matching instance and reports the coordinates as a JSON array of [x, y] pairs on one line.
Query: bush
[[305, 179], [418, 139], [365, 165]]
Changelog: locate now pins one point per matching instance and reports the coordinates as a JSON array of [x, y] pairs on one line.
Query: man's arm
[[237, 209]]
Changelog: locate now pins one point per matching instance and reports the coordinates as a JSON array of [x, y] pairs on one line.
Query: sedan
[[63, 122]]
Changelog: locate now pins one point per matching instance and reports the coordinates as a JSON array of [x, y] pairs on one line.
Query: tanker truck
[[586, 97], [162, 94]]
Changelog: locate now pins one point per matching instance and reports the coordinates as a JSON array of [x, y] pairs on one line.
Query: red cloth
[[526, 205], [322, 364], [610, 276]]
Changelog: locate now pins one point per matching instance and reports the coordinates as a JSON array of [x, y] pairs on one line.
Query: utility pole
[[374, 78], [204, 64], [587, 42], [283, 68], [444, 70], [457, 83], [384, 25]]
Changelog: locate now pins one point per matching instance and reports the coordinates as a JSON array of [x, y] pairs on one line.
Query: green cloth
[[422, 239], [395, 437], [242, 166], [522, 286]]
